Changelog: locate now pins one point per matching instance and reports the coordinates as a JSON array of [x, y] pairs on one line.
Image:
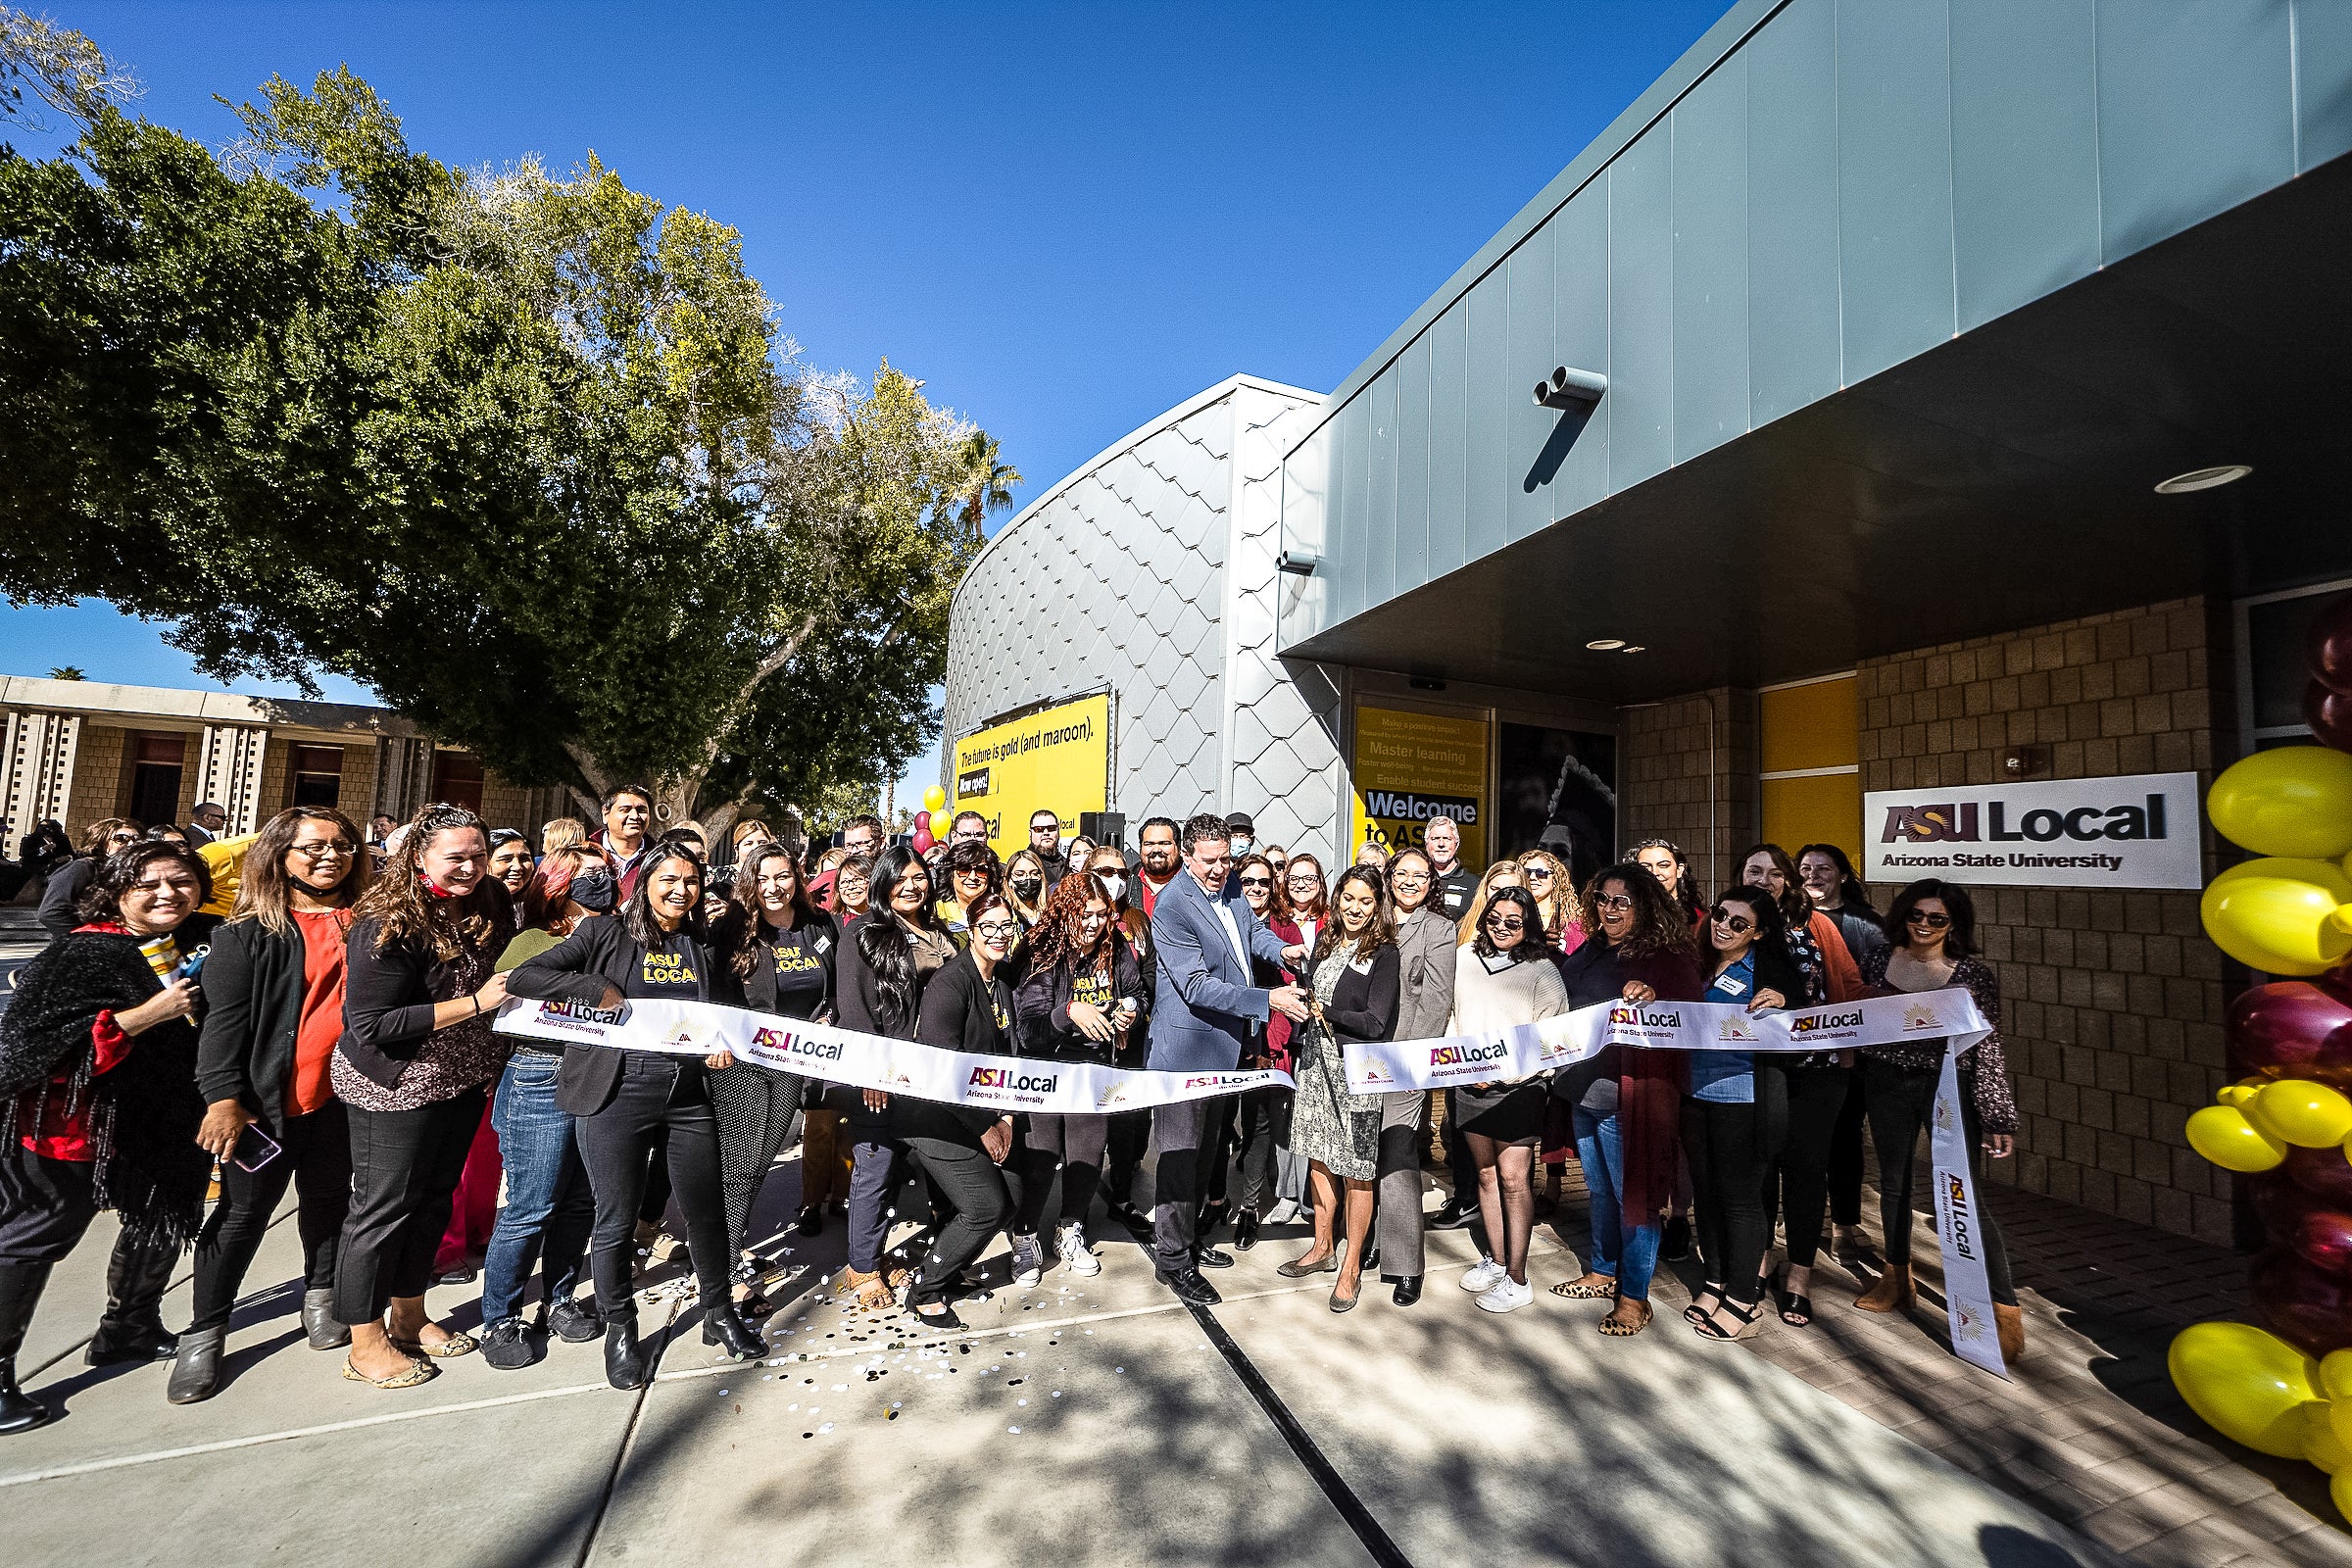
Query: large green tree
[[526, 453]]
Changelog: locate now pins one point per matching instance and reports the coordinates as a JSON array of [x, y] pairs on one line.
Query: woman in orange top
[[275, 981]]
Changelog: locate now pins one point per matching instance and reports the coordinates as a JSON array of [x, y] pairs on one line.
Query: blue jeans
[[1632, 1255], [550, 1208]]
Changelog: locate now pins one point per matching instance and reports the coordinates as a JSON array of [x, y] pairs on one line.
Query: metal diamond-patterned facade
[[1152, 571]]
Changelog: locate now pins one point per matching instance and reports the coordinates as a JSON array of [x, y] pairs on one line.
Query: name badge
[[823, 943], [1361, 965], [1731, 985]]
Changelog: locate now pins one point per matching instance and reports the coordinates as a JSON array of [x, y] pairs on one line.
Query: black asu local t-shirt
[[672, 969]]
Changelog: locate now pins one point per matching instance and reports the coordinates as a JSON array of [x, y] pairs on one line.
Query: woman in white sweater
[[1504, 978]]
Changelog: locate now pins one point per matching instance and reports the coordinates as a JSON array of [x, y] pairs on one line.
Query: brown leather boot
[[2010, 1322], [1892, 1294]]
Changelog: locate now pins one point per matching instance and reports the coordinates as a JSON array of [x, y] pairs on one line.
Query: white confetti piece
[[1015, 1431]]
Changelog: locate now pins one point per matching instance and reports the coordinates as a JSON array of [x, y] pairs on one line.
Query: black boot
[[1408, 1290], [133, 1329], [624, 1363], [196, 1375], [20, 1286], [722, 1325]]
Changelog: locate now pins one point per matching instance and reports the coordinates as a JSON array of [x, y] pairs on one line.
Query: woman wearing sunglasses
[[967, 1006], [1732, 1109], [1555, 895], [1502, 980], [275, 981], [1262, 1117], [1932, 929], [970, 871], [1626, 1105]]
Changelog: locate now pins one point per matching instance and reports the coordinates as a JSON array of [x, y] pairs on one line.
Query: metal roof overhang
[[2002, 480]]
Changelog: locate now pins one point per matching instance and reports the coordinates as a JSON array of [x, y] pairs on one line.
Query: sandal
[[1694, 1313], [1616, 1328], [1796, 1309], [936, 1315], [1590, 1288], [417, 1372], [1712, 1330]]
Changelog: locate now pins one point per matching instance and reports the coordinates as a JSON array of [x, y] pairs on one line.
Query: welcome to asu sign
[[1056, 759], [2135, 831], [1412, 767]]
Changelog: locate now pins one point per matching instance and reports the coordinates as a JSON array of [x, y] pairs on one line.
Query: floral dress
[[1328, 1123]]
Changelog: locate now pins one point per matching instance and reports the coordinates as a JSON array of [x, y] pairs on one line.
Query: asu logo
[[1930, 824], [768, 1038], [1919, 1015], [1459, 1055], [1825, 1020], [1625, 1015]]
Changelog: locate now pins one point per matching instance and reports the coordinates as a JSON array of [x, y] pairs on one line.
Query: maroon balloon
[[2337, 983], [2324, 1173], [2331, 646], [2278, 1203], [2290, 1027], [2329, 715], [2303, 1306], [2323, 1238]]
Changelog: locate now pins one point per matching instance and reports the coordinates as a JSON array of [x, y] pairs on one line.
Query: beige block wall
[[101, 782], [2112, 1003], [1667, 788]]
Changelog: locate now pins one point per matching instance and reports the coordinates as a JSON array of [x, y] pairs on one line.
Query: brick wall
[[2112, 1003], [1663, 779]]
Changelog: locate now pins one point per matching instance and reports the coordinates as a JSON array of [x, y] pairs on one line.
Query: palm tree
[[66, 672], [984, 484]]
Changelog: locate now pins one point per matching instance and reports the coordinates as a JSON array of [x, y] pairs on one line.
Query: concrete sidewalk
[[1087, 1421]]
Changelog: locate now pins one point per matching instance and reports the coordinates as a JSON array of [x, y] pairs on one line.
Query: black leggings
[[1845, 1156], [1262, 1123], [756, 1108], [317, 1162], [1800, 1172], [960, 1172], [1728, 1159], [1901, 1103], [1074, 1145], [658, 1097]]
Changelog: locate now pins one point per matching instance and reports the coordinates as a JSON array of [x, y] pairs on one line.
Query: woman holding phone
[[274, 980]]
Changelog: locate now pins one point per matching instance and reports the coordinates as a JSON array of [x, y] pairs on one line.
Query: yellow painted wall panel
[[1826, 808], [1815, 725]]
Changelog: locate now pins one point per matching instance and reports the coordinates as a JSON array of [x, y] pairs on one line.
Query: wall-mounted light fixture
[[1566, 388]]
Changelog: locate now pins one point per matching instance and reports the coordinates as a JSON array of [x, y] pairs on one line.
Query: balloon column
[[2286, 1125], [931, 822]]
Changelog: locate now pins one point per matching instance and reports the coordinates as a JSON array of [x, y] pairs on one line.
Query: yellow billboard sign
[[1412, 766], [1056, 759]]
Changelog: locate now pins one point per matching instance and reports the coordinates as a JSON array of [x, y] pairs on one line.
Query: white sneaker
[[1481, 1278], [1281, 1214], [1028, 1261], [1076, 1255], [1506, 1296]]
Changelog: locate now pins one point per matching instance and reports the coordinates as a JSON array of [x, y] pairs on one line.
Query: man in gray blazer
[[1205, 1015]]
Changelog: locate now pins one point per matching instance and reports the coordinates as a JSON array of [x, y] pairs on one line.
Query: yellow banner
[[1057, 759], [1412, 767]]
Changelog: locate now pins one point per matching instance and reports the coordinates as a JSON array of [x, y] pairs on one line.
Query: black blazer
[[961, 1012], [817, 942], [254, 980], [601, 952], [1363, 1003], [388, 1000]]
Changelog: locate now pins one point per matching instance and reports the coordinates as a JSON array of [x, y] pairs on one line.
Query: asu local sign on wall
[[2137, 831], [1056, 759], [1412, 767]]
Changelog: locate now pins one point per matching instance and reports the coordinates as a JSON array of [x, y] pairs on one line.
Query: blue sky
[[1064, 218]]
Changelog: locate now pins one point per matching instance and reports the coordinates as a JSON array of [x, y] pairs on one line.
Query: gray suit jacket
[[1425, 944], [1204, 1009]]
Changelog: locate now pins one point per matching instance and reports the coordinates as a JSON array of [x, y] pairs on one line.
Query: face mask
[[1027, 887], [1241, 846], [1117, 885], [435, 889]]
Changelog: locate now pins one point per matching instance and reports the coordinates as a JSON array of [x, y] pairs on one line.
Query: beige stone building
[[79, 750]]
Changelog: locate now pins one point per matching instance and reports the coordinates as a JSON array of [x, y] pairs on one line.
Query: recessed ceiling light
[[1631, 648], [2181, 484], [1605, 645]]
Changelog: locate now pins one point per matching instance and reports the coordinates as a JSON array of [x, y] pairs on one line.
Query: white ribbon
[[870, 1061]]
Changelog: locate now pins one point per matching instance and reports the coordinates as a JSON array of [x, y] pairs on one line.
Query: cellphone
[[255, 1148], [195, 965]]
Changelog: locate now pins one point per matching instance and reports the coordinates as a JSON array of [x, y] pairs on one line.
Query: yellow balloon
[[2339, 1489], [935, 799], [2224, 1135], [2249, 1386], [2275, 915], [2297, 1110], [2239, 1093], [2290, 800], [2321, 1444], [2335, 1378]]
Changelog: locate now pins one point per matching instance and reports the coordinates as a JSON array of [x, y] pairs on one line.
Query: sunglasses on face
[[1734, 923], [1933, 922], [1257, 882], [1613, 901], [1501, 922], [1537, 873], [122, 838]]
